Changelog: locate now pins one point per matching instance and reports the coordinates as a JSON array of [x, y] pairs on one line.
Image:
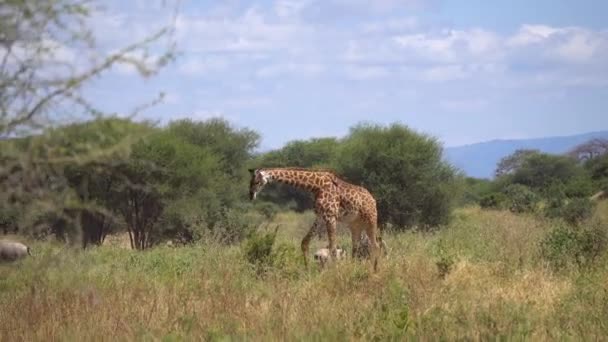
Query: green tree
[[199, 186], [36, 81], [511, 163], [598, 172], [403, 169], [520, 199], [540, 171], [474, 190], [589, 150]]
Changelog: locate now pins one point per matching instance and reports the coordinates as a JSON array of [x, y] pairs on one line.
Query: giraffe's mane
[[311, 169], [295, 168]]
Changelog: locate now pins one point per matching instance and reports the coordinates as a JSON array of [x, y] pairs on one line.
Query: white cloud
[[362, 73], [247, 32], [566, 44], [451, 45], [445, 73], [279, 40], [289, 9], [464, 105], [391, 26], [201, 66], [530, 34], [247, 102], [579, 47], [251, 51], [382, 6], [300, 69]]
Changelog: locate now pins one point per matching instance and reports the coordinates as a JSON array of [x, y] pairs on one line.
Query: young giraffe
[[335, 201]]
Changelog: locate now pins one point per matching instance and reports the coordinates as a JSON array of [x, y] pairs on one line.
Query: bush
[[573, 211], [8, 220], [554, 207], [579, 187], [577, 211], [474, 190], [286, 260], [268, 209], [520, 199], [445, 260], [258, 249], [492, 201], [404, 170], [539, 171], [235, 225], [568, 245]]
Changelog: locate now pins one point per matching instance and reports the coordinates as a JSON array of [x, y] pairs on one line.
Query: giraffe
[[335, 200]]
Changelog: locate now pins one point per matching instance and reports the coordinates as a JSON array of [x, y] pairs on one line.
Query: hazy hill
[[480, 159]]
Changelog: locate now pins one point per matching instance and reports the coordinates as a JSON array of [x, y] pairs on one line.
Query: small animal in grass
[[11, 251], [322, 256]]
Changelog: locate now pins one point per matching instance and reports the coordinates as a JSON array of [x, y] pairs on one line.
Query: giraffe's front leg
[[306, 240]]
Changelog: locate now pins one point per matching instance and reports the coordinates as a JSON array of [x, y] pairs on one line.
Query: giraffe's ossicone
[[335, 201]]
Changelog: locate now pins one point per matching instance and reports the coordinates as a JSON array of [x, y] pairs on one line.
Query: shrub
[[404, 170], [540, 170], [234, 225], [579, 187], [268, 209], [553, 208], [573, 211], [445, 260], [474, 190], [580, 246], [8, 220], [520, 199], [286, 260], [258, 249], [494, 200], [577, 211]]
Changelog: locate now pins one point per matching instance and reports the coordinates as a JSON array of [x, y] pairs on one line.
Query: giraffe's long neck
[[309, 180]]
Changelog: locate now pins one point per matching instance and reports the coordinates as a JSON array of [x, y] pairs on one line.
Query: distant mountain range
[[479, 160]]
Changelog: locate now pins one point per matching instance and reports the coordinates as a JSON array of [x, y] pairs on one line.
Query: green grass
[[481, 277]]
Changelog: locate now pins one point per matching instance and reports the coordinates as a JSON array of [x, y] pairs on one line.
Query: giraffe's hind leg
[[371, 230], [355, 233]]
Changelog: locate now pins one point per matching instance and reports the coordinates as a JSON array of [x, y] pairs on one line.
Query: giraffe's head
[[258, 180]]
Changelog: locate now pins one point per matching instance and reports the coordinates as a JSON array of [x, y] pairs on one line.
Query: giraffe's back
[[356, 202]]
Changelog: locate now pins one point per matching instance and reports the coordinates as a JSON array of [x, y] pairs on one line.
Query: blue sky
[[461, 70]]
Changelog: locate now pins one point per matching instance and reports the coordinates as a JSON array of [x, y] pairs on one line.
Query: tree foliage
[[48, 55], [520, 199], [540, 171], [589, 150], [403, 169], [513, 162]]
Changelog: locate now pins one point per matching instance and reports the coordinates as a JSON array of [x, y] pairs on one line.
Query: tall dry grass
[[481, 277]]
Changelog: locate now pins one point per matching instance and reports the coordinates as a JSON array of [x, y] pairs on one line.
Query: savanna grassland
[[486, 275]]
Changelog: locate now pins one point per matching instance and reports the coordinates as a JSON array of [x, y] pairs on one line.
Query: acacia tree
[[591, 149], [512, 162], [405, 172], [48, 54]]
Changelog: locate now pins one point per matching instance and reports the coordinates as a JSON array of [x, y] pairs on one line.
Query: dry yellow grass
[[496, 287]]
